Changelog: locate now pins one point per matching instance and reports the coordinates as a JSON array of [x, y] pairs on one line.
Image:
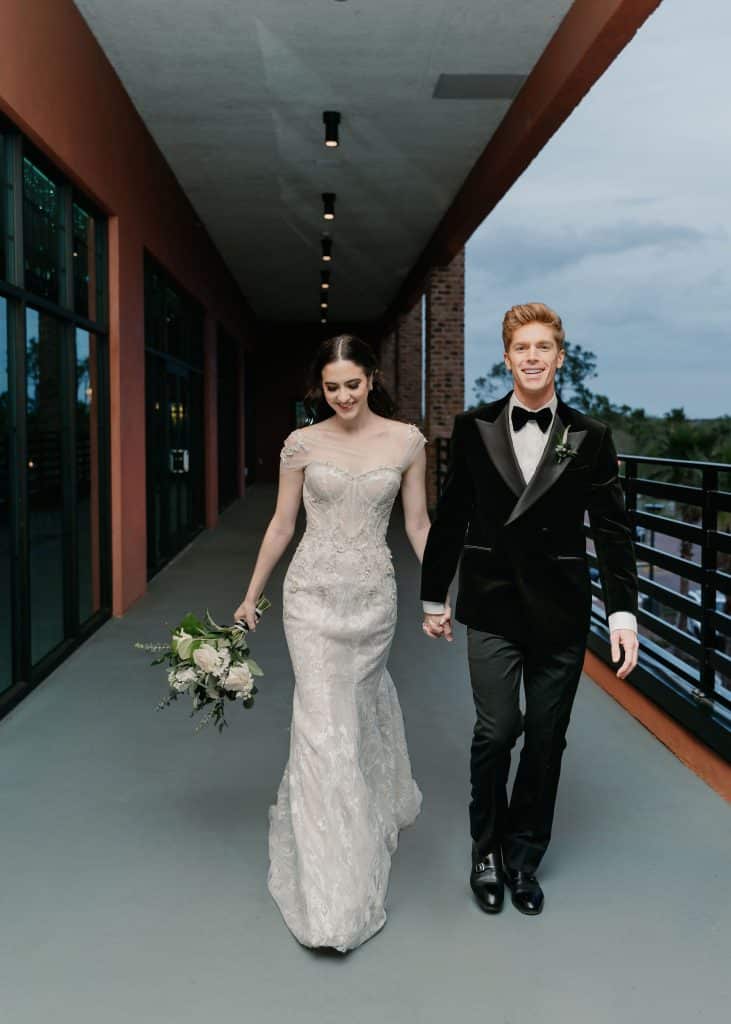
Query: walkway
[[134, 853]]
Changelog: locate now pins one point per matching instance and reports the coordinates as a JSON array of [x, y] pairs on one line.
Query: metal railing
[[681, 515]]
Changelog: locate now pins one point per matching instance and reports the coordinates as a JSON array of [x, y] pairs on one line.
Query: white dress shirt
[[529, 444]]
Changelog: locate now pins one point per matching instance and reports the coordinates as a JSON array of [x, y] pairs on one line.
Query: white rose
[[239, 679], [180, 637], [224, 660], [206, 658]]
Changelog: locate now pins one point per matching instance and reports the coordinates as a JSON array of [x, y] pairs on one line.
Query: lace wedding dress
[[347, 788]]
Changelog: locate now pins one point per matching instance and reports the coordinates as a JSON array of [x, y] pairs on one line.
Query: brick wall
[[387, 362], [444, 357], [408, 366]]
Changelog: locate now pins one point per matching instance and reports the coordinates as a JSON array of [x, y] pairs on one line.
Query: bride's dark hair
[[355, 350]]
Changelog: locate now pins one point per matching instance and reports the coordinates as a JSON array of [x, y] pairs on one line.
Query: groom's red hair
[[531, 313]]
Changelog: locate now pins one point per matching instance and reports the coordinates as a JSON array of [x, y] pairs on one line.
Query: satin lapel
[[496, 438], [549, 469]]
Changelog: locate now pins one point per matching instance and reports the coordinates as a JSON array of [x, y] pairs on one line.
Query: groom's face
[[533, 358]]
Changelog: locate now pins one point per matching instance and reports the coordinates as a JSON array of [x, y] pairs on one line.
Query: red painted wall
[[59, 88]]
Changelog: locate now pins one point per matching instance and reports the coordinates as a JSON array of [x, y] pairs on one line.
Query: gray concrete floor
[[134, 855]]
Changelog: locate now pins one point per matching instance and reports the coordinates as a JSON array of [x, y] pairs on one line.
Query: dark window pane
[[174, 324], [45, 492], [88, 473], [228, 439], [156, 461], [4, 197], [5, 617], [41, 232], [84, 262]]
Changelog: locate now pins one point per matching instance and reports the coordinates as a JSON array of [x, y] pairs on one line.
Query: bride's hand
[[246, 612]]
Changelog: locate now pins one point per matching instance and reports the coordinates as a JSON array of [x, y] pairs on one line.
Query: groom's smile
[[533, 358]]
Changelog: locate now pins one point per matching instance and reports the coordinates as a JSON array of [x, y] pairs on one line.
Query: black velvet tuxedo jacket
[[524, 570]]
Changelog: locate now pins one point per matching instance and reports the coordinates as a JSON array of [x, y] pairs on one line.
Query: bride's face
[[345, 386]]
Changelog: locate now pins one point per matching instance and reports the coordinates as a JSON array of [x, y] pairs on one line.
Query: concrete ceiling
[[233, 92]]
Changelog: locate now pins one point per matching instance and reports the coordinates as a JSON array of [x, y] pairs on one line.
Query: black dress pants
[[521, 826]]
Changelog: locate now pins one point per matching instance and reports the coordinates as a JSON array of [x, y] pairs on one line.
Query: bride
[[347, 788]]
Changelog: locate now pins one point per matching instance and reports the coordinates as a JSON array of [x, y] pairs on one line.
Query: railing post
[[709, 563]]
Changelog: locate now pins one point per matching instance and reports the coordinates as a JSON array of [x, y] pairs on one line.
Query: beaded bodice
[[349, 488]]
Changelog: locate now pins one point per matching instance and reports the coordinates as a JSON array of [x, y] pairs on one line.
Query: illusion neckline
[[347, 472]]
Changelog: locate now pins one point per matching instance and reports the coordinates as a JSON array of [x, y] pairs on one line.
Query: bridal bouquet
[[209, 662]]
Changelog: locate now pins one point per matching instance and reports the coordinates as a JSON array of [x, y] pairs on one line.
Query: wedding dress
[[347, 788]]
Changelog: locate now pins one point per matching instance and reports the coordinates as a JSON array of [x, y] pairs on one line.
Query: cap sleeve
[[295, 452], [415, 441]]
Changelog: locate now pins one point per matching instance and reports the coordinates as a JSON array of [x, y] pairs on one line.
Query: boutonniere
[[563, 449]]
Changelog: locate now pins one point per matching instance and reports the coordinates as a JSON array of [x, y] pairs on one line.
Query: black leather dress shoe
[[488, 883], [526, 893]]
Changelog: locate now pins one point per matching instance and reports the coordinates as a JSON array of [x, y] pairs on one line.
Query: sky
[[623, 224]]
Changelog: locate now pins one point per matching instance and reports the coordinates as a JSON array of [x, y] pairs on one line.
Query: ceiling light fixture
[[331, 119], [328, 205], [324, 279], [327, 249]]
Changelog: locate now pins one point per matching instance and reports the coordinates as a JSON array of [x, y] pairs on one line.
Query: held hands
[[439, 625], [627, 640]]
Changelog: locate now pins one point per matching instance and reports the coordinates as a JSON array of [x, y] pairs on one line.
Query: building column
[[127, 416], [210, 418], [408, 366], [444, 358]]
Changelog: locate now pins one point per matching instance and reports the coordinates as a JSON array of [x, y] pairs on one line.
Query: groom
[[523, 472]]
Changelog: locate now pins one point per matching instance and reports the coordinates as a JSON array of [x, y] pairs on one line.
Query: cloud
[[621, 223], [514, 250]]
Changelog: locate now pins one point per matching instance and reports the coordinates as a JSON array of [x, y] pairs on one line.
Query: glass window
[[41, 232], [3, 215], [6, 658], [173, 321], [84, 262], [154, 310], [174, 325], [45, 480], [87, 474], [54, 480], [228, 439]]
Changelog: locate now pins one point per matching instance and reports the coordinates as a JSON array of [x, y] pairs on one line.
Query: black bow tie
[[520, 417]]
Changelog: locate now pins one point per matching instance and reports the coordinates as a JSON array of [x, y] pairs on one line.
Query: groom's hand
[[439, 625], [627, 640]]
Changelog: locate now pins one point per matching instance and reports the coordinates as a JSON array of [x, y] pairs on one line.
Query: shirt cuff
[[433, 607], [622, 620]]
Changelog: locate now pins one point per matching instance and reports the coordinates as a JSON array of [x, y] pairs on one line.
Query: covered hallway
[[134, 853]]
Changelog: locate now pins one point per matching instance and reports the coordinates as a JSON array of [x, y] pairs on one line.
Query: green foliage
[[579, 367], [192, 625], [672, 436]]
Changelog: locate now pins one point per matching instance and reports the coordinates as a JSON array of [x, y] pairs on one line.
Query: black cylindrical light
[[328, 205], [327, 249], [331, 119], [323, 299], [324, 279]]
